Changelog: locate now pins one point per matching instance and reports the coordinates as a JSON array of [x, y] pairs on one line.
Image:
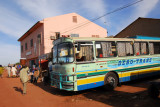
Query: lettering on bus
[[134, 61]]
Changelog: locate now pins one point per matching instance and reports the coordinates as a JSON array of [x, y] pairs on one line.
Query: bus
[[85, 63]]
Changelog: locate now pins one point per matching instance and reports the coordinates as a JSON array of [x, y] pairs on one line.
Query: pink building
[[68, 25]]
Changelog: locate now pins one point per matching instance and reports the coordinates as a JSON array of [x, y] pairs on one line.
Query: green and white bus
[[84, 63]]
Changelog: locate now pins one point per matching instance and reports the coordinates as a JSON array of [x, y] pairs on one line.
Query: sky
[[17, 16]]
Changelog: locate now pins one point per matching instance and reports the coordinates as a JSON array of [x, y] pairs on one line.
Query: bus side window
[[154, 48], [125, 48], [141, 48], [105, 49], [85, 53], [144, 48], [99, 50], [151, 48], [136, 48]]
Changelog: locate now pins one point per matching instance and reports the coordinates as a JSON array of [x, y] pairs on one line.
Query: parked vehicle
[[84, 63], [153, 89]]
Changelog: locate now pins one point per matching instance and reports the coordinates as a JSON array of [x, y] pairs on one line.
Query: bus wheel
[[153, 91], [110, 81]]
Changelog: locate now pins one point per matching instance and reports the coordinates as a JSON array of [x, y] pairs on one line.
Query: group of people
[[24, 73], [14, 70], [34, 74]]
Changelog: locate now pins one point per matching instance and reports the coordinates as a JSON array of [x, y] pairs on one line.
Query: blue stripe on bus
[[102, 69], [130, 78], [91, 85]]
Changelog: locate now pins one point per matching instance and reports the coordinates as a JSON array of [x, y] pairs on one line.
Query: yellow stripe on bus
[[90, 80], [131, 73]]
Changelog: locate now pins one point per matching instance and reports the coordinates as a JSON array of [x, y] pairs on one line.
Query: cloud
[[12, 23], [9, 54], [95, 9], [145, 7], [40, 9]]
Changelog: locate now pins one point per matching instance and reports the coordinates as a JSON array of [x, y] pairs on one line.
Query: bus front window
[[64, 52]]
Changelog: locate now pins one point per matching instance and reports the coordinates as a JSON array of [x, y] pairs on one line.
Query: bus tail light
[[73, 69]]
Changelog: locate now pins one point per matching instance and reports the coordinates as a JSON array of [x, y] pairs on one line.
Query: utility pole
[[39, 43], [106, 27]]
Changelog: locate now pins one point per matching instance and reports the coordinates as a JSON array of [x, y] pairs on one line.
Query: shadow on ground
[[18, 89], [123, 99], [117, 98]]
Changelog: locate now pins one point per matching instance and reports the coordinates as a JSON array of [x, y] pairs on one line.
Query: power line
[[118, 9]]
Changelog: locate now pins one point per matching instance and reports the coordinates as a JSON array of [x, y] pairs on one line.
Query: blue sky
[[17, 16]]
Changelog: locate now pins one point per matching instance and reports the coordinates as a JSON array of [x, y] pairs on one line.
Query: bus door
[[85, 65]]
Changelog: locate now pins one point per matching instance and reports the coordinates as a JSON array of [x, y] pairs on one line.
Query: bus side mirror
[[78, 47]]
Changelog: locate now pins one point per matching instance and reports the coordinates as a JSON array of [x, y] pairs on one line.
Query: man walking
[[9, 71], [24, 77]]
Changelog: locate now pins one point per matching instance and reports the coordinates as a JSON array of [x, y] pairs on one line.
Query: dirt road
[[131, 94]]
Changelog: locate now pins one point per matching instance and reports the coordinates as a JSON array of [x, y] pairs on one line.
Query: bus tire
[[153, 91], [110, 81]]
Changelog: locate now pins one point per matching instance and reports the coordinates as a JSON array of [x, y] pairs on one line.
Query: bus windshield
[[63, 53]]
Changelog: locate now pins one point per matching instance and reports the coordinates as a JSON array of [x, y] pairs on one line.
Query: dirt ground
[[130, 94]]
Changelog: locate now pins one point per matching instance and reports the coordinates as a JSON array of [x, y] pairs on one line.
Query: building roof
[[33, 28], [146, 21]]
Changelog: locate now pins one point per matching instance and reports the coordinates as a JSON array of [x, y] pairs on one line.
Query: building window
[[97, 36], [26, 46], [74, 35], [57, 35], [21, 48], [74, 19], [31, 42], [39, 38], [65, 35]]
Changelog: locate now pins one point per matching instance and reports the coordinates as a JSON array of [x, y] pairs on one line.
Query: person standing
[[36, 75], [18, 69], [1, 71], [24, 77], [9, 71], [14, 70], [31, 74], [50, 65]]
